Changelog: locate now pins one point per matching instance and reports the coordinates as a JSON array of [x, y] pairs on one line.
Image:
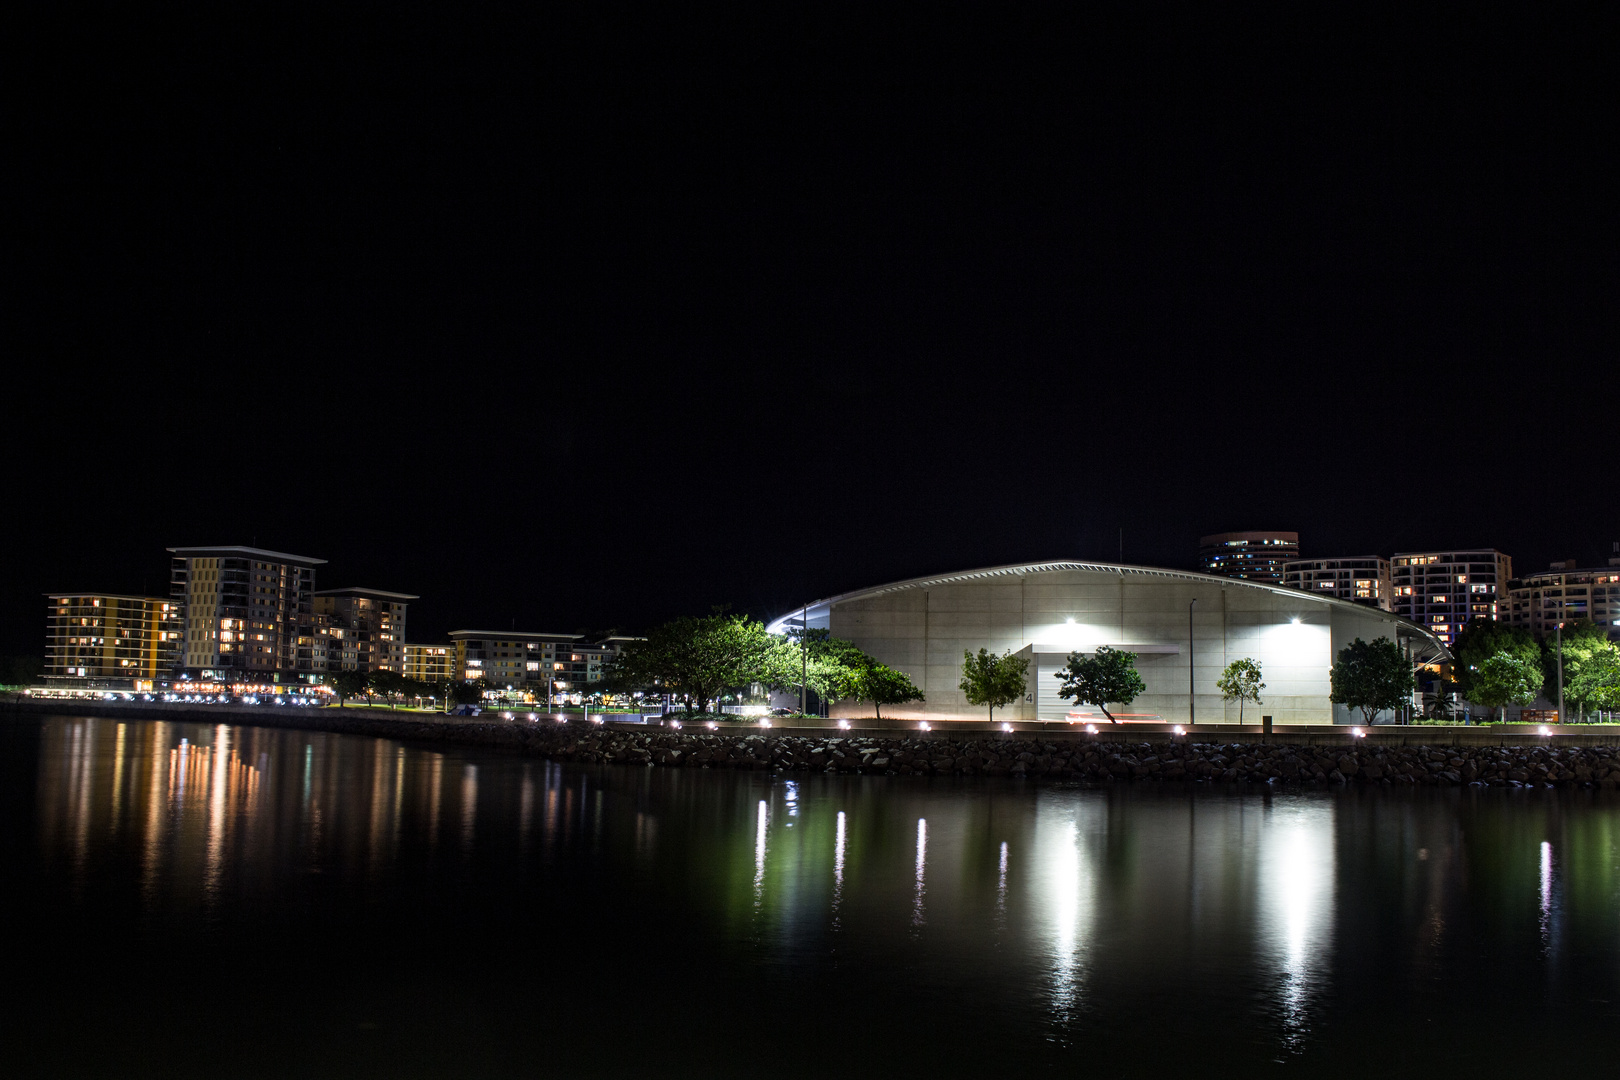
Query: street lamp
[[1192, 694], [1560, 673]]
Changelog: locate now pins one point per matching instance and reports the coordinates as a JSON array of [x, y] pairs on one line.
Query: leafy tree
[[828, 666], [1506, 679], [1583, 642], [993, 680], [386, 685], [697, 659], [883, 685], [1592, 674], [1482, 639], [1241, 680], [1371, 676], [467, 692], [347, 684], [1108, 675]]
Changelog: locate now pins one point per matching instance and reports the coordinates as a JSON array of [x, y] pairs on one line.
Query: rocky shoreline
[[1101, 761], [1096, 759]]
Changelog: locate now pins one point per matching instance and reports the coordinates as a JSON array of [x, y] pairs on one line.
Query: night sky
[[586, 326]]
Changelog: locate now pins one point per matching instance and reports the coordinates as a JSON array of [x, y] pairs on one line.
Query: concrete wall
[[1294, 636]]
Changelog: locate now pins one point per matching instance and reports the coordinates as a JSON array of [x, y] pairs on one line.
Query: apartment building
[[430, 663], [1250, 556], [360, 629], [243, 609], [112, 637], [1442, 590], [1361, 579], [533, 663], [1563, 594]]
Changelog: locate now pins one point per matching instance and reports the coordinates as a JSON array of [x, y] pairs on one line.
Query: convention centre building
[[1184, 628]]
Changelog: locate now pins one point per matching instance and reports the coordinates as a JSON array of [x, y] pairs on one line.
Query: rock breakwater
[[1099, 761], [1537, 763]]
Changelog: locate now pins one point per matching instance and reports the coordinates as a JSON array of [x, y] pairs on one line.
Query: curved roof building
[[1044, 611]]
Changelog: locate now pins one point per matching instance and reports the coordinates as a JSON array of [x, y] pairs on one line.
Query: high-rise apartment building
[[1565, 593], [243, 610], [108, 636], [1442, 590], [364, 629], [430, 663], [1361, 579], [1252, 556]]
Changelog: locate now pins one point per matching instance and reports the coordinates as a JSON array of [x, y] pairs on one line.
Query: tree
[[347, 684], [828, 666], [1108, 675], [1482, 639], [883, 685], [993, 680], [1584, 643], [1506, 679], [1241, 680], [466, 692], [1371, 676], [1592, 675], [386, 684], [697, 659]]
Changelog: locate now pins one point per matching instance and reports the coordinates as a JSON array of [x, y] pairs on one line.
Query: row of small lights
[[843, 725]]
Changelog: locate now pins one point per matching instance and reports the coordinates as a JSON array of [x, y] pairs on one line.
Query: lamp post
[[804, 660], [1560, 673], [1192, 695]]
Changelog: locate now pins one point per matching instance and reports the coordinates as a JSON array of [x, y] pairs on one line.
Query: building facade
[[1183, 627], [111, 637], [1565, 593], [363, 629], [245, 608], [1442, 590], [542, 665], [430, 663], [1361, 579], [1248, 556]]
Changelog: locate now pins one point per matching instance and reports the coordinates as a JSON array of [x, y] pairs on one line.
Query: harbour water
[[191, 900]]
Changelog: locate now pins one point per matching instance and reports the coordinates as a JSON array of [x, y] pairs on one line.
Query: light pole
[[804, 660], [1560, 673], [1192, 695]]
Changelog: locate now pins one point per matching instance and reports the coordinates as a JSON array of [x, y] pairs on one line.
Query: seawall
[[1414, 757]]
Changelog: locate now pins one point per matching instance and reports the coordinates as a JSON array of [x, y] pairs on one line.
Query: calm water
[[188, 900]]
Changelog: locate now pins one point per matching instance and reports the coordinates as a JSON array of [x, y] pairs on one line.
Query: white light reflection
[[1001, 882], [838, 869], [1065, 892], [1296, 910], [759, 857], [922, 864], [1546, 896]]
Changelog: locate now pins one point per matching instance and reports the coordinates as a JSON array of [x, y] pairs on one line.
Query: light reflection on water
[[1068, 911]]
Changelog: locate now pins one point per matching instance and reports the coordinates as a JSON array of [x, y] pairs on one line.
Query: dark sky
[[591, 325]]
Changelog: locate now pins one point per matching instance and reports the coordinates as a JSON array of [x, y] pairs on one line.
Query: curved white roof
[[1019, 570]]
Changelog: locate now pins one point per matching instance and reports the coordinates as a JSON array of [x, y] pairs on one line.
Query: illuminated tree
[[883, 685], [698, 659], [1371, 676], [1108, 675], [1506, 678], [1592, 674], [993, 680], [347, 684], [1241, 680]]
